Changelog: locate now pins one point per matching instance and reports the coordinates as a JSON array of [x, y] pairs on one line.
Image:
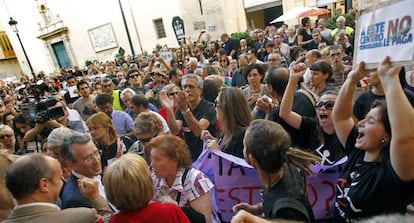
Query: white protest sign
[[386, 30]]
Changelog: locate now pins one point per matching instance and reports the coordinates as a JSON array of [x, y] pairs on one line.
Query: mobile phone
[[267, 98]]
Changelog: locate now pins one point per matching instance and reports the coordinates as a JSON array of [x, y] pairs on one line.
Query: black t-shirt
[[206, 110], [304, 107], [107, 152], [306, 36], [330, 150], [235, 145], [288, 187], [364, 102], [366, 189]]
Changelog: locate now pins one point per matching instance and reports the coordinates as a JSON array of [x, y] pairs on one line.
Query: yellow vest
[[117, 101]]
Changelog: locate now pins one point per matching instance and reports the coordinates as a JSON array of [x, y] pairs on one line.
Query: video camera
[[41, 111]]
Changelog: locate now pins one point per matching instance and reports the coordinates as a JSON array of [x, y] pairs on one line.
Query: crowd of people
[[115, 141]]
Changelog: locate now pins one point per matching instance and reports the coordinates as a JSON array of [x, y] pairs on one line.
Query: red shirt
[[154, 212]]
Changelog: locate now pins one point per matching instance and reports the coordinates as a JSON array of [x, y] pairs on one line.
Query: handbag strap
[[182, 183]]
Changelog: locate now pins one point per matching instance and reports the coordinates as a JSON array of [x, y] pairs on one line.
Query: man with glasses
[[340, 71], [108, 87], [35, 182], [194, 114], [82, 156]]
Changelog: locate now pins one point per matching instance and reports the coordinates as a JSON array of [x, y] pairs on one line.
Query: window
[[5, 45], [159, 28]]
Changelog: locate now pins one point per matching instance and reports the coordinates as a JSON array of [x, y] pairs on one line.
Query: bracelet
[[186, 111]]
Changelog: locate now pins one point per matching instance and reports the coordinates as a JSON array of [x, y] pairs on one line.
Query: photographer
[[55, 115]]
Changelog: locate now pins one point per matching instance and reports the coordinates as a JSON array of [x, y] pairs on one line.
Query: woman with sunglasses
[[318, 134], [105, 137], [147, 126], [168, 91], [378, 177]]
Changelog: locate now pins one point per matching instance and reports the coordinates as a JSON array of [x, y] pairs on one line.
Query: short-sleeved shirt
[[304, 107], [122, 122], [366, 189], [331, 150], [80, 106], [206, 110], [195, 185], [290, 186]]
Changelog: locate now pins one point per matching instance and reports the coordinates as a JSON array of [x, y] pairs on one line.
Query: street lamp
[[13, 25]]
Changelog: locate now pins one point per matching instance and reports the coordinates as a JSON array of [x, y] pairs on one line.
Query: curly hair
[[174, 147], [146, 122]]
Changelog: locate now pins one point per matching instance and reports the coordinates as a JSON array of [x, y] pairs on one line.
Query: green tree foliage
[[350, 21], [237, 36]]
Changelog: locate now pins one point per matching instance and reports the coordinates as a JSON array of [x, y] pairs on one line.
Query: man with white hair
[[340, 22]]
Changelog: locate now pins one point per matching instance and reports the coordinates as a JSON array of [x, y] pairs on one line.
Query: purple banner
[[236, 181]]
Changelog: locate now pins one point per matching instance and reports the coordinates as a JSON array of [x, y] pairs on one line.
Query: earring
[[383, 141]]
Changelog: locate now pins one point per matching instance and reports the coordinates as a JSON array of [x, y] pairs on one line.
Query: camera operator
[[59, 115]]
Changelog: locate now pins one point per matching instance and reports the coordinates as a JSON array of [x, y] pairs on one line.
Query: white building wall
[[79, 16]]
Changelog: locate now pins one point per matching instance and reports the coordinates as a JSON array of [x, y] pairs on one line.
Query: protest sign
[[236, 181], [385, 29]]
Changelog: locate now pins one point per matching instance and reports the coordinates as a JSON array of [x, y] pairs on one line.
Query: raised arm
[[342, 111], [285, 112], [401, 116]]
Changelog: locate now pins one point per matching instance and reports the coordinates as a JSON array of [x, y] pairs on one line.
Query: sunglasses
[[173, 93], [133, 75], [6, 136], [327, 104]]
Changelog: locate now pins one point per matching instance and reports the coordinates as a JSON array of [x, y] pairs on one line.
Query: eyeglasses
[[335, 55], [145, 140], [189, 86], [327, 104], [6, 136], [95, 155], [173, 93], [217, 104]]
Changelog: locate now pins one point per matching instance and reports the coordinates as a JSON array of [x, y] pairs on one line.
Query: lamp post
[[13, 25]]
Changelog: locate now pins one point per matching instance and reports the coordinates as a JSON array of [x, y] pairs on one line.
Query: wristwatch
[[186, 111]]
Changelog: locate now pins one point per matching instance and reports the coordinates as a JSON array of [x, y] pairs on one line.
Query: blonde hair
[[146, 122], [6, 159], [102, 120], [128, 183]]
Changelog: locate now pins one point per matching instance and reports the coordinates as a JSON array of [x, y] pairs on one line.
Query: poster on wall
[[385, 28], [102, 37]]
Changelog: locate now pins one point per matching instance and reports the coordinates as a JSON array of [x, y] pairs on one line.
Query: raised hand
[[182, 101], [297, 71], [359, 73], [167, 102], [89, 188], [386, 71]]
